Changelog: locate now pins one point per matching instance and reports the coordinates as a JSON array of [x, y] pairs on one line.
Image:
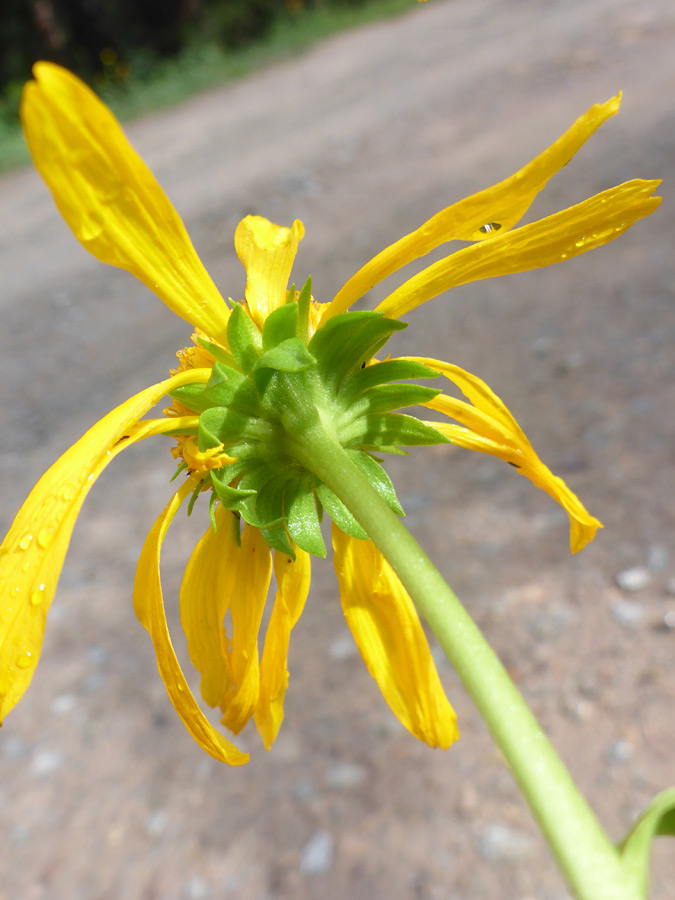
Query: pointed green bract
[[244, 339], [302, 520], [385, 372], [339, 513], [290, 355], [378, 478], [280, 325], [387, 397], [382, 430], [658, 820]]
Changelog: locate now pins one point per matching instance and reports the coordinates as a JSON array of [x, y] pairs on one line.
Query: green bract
[[273, 386]]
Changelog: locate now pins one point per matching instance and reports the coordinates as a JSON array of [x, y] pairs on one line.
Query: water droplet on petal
[[25, 660], [25, 541], [38, 595], [25, 567], [68, 492], [580, 242], [45, 537], [15, 591], [489, 227]]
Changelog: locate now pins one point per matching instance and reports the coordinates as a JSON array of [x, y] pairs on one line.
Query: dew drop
[[489, 227], [15, 591], [38, 595], [563, 256], [180, 688], [25, 541], [25, 567], [580, 242], [68, 492], [45, 537], [24, 660]]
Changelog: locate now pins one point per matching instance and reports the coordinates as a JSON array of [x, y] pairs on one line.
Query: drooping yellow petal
[[32, 553], [206, 590], [149, 607], [561, 236], [267, 252], [250, 582], [292, 589], [389, 635], [480, 216], [489, 427], [110, 199]]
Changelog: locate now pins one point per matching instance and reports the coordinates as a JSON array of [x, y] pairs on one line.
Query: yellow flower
[[119, 213]]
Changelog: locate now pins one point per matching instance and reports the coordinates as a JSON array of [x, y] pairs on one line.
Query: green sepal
[[244, 339], [192, 396], [302, 518], [219, 353], [383, 373], [218, 425], [391, 450], [269, 505], [196, 492], [278, 540], [385, 429], [290, 355], [228, 387], [254, 481], [231, 498], [280, 325], [182, 465], [387, 397], [213, 499], [378, 478], [339, 512], [656, 821], [348, 340], [304, 299]]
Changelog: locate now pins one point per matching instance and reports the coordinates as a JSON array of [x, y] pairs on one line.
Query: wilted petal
[[109, 197], [208, 585], [250, 583], [503, 205], [267, 252], [389, 635], [489, 427], [561, 236], [32, 554], [292, 588], [149, 607]]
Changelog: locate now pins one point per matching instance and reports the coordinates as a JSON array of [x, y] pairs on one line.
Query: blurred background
[[363, 135]]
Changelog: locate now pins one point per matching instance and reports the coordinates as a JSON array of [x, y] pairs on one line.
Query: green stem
[[583, 850]]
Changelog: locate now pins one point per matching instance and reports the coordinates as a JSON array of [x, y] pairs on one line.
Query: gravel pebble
[[501, 843], [346, 775], [317, 854], [635, 579], [619, 751], [342, 647], [45, 762], [627, 613]]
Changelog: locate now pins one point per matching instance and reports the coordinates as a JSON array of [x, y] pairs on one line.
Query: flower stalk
[[580, 845]]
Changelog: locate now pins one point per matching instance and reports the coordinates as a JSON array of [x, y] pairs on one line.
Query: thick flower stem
[[583, 850]]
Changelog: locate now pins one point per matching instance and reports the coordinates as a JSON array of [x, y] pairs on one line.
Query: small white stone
[[635, 579], [45, 762], [501, 843], [343, 776], [627, 613], [342, 647], [317, 854]]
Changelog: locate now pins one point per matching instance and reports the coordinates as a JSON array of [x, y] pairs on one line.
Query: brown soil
[[103, 794]]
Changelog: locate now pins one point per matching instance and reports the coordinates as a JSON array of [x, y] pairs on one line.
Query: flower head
[[267, 382]]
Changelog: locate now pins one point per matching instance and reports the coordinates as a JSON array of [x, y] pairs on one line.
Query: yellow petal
[[204, 600], [250, 582], [267, 252], [292, 589], [503, 204], [110, 199], [149, 607], [490, 428], [32, 554], [561, 236], [389, 635]]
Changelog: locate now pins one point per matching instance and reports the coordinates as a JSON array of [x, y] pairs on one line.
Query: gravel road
[[103, 794]]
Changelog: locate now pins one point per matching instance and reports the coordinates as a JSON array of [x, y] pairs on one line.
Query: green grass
[[157, 84]]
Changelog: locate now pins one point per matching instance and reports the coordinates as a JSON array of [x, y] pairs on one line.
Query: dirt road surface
[[103, 795]]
